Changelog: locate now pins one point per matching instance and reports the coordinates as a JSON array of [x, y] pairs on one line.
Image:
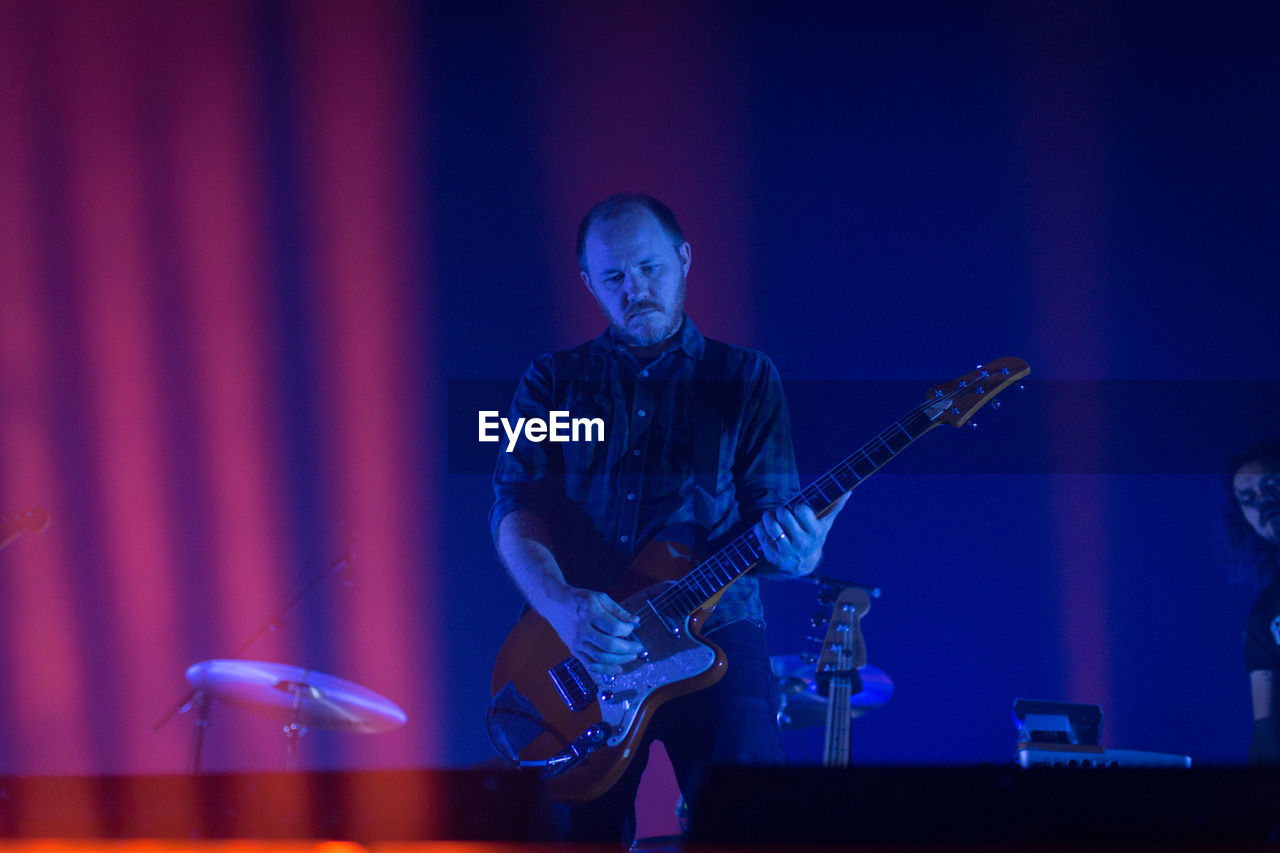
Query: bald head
[[620, 205]]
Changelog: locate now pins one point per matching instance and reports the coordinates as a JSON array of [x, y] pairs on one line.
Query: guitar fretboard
[[835, 747], [732, 561]]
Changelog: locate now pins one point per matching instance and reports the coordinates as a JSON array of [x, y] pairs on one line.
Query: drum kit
[[303, 698]]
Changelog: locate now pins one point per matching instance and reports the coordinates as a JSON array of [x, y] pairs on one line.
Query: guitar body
[[603, 718]]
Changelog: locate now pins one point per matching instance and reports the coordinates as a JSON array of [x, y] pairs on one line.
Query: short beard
[[647, 340], [630, 339]]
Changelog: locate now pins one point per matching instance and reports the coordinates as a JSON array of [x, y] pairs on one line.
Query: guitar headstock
[[843, 650], [34, 520], [956, 401]]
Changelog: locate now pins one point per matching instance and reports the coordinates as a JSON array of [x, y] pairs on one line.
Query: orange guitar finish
[[533, 648]]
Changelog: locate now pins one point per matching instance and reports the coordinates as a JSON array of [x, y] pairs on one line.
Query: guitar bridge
[[574, 684]]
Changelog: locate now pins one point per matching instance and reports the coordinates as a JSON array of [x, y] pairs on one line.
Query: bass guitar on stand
[[843, 653]]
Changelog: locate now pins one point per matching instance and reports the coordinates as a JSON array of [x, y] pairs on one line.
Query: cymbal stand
[[296, 728], [201, 703], [194, 698]]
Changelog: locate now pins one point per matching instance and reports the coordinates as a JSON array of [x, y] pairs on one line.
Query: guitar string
[[723, 561], [748, 547], [841, 693], [683, 587]]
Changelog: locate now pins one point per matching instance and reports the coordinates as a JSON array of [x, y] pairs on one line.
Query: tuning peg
[[995, 404], [808, 657], [973, 424], [1021, 387]]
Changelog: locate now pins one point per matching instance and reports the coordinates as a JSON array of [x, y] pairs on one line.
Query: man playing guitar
[[697, 449]]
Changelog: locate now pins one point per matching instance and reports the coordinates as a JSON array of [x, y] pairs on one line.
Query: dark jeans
[[733, 722]]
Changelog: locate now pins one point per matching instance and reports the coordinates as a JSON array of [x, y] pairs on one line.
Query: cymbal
[[793, 666], [802, 707], [295, 694]]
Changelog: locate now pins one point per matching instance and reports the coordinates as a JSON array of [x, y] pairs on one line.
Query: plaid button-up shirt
[[603, 501]]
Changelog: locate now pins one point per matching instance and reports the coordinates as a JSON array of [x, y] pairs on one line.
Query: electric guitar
[[582, 728], [30, 521], [843, 654]]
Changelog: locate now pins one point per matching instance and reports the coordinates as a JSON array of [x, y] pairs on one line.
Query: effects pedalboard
[[1065, 734], [1075, 755]]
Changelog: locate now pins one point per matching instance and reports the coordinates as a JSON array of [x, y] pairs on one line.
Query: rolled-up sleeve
[[520, 477]]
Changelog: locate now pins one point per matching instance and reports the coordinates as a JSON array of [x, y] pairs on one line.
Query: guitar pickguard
[[674, 653]]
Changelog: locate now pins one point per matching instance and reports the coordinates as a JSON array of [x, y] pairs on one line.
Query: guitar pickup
[[574, 684]]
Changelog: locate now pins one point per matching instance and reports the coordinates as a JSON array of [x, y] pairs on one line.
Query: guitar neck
[[707, 580], [953, 403], [835, 746]]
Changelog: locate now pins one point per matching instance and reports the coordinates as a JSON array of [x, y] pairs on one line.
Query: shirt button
[[624, 537], [635, 453], [631, 496], [640, 413]]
